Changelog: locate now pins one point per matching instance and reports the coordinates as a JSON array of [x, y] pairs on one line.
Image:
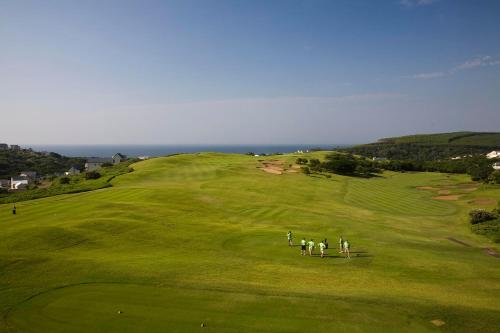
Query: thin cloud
[[431, 75], [476, 62], [415, 3]]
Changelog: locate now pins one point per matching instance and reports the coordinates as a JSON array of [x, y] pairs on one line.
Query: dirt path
[[491, 252], [454, 240]]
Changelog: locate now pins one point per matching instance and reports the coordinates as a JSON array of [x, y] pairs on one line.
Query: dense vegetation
[[83, 182], [12, 162], [430, 147], [486, 223], [478, 167]]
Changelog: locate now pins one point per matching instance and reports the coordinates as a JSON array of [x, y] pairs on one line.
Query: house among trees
[[94, 163], [72, 171], [15, 147], [19, 183], [4, 146], [496, 166], [31, 175], [493, 154], [117, 158]]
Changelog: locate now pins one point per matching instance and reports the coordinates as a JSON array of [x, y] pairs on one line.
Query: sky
[[246, 72]]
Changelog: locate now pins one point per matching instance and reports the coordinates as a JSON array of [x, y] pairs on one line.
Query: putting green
[[201, 238]]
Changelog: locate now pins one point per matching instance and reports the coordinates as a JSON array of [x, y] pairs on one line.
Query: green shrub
[[480, 215], [64, 180], [306, 170], [92, 175], [495, 177]]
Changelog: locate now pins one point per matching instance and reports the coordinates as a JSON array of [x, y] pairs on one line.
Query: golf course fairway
[[197, 242]]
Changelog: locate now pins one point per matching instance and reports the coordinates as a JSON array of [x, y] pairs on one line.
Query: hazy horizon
[[246, 72]]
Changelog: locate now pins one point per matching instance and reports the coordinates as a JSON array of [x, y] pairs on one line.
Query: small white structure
[[493, 154], [142, 158], [19, 183], [379, 159], [28, 174], [72, 171], [496, 166]]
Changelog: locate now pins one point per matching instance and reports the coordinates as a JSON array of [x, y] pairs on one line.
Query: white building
[[493, 154], [496, 166], [19, 183], [28, 174]]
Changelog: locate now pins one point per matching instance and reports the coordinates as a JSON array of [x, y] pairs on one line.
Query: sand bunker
[[469, 189], [483, 201], [443, 192], [273, 171], [438, 322], [274, 166], [447, 197]]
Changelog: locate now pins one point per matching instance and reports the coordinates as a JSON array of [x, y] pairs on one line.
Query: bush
[[306, 170], [92, 175], [301, 160], [315, 164], [495, 177], [480, 215], [64, 180]]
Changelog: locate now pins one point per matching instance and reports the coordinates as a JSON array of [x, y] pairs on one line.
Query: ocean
[[163, 150]]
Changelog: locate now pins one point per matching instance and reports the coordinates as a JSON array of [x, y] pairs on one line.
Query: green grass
[[202, 238]]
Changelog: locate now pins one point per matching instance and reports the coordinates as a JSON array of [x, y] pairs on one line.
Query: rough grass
[[201, 238]]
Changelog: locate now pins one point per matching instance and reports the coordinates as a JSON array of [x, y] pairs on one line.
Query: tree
[[495, 177], [340, 163], [315, 164], [480, 168]]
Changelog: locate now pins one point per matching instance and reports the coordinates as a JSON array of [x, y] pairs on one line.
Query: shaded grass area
[[201, 238]]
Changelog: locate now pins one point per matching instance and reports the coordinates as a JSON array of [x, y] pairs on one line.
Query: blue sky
[[249, 72]]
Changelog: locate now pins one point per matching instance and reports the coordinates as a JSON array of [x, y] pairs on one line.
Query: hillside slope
[[486, 139], [430, 146]]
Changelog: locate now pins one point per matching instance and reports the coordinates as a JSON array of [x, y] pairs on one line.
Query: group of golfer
[[309, 246]]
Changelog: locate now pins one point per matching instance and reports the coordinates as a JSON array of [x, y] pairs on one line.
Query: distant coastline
[[162, 150]]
